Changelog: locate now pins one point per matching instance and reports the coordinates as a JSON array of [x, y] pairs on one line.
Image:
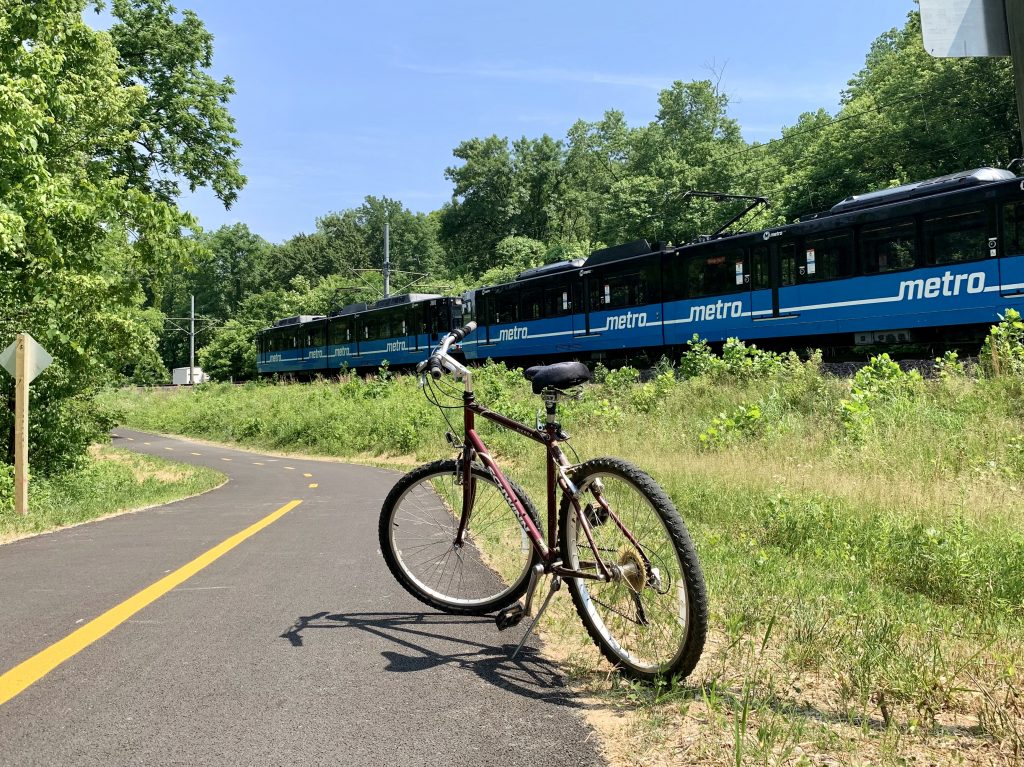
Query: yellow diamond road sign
[[38, 358]]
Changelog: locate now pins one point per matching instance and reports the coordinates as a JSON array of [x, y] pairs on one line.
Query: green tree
[[905, 116], [513, 255], [77, 236], [183, 129], [351, 240], [482, 206]]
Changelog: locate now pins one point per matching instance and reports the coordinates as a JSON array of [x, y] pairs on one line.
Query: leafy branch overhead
[[183, 130]]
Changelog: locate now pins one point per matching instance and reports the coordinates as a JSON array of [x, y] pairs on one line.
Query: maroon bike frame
[[549, 437]]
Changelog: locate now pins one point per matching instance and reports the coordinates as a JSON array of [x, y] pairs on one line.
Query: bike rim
[[492, 563], [612, 607]]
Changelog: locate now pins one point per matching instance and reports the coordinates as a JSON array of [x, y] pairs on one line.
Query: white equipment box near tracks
[[180, 376]]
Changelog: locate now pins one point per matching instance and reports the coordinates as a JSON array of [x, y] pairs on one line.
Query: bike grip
[[434, 366], [464, 331]]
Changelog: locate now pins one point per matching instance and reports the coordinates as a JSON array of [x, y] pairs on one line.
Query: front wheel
[[650, 619], [418, 524]]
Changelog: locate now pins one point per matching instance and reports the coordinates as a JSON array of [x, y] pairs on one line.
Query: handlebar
[[433, 363]]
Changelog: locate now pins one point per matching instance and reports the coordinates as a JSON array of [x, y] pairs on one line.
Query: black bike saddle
[[561, 375]]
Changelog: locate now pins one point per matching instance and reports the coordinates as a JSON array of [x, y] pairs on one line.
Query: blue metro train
[[933, 263]]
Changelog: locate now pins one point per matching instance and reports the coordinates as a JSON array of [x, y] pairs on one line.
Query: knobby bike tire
[[649, 627], [417, 532]]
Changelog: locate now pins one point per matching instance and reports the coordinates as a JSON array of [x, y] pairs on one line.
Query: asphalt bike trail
[[291, 644]]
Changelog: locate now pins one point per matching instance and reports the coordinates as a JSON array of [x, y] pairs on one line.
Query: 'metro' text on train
[[948, 284], [717, 310]]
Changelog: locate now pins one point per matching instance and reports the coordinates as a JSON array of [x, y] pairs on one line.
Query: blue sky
[[339, 100]]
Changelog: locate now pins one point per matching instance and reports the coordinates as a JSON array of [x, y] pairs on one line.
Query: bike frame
[[558, 467]]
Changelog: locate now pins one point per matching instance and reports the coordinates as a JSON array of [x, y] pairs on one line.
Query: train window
[[486, 307], [888, 248], [714, 275], [533, 302], [1013, 229], [344, 332], [957, 237], [506, 306], [557, 301], [787, 264], [828, 258], [615, 291], [760, 268]]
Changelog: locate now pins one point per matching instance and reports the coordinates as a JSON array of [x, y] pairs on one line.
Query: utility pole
[[192, 341], [191, 332], [387, 260]]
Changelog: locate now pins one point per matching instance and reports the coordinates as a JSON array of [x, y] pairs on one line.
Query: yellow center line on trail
[[257, 463], [196, 453], [225, 459], [168, 448], [130, 439], [290, 468], [314, 485], [39, 665], [307, 474]]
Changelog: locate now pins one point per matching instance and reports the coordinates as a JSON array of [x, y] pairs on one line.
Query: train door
[[1011, 254], [581, 304], [772, 268], [764, 294], [485, 315]]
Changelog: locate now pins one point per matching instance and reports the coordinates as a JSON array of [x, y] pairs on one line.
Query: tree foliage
[[78, 236], [183, 129]]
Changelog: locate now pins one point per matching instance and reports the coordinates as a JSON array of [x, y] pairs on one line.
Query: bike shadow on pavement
[[430, 640]]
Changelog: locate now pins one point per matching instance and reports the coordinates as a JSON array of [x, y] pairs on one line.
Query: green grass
[[110, 481], [863, 548]]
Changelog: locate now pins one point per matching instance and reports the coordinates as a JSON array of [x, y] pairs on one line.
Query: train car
[[934, 262], [293, 346], [397, 329]]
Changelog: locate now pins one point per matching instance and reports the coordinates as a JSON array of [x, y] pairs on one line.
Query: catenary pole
[[387, 260], [192, 342]]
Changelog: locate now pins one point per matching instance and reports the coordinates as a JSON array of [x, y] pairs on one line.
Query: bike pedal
[[510, 616]]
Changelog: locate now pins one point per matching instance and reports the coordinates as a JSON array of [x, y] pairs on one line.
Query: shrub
[[622, 379], [699, 360], [881, 382], [1003, 350], [726, 428], [6, 488], [949, 366]]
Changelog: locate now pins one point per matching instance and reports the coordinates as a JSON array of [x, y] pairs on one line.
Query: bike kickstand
[[556, 584]]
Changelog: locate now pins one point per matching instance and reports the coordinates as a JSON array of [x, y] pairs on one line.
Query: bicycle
[[616, 538]]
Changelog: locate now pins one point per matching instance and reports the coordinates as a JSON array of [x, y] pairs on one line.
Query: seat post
[[551, 407]]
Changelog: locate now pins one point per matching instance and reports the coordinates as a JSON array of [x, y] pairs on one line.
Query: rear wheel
[[650, 619], [418, 525]]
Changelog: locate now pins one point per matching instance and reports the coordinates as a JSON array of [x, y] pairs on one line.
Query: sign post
[[24, 359]]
